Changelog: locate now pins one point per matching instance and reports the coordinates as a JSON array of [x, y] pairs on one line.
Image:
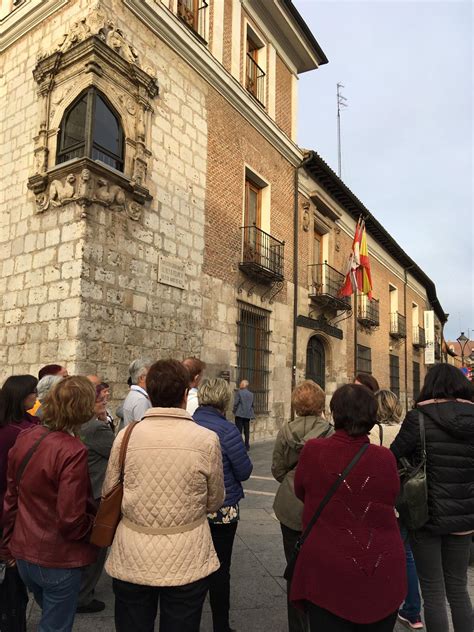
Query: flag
[[358, 277]]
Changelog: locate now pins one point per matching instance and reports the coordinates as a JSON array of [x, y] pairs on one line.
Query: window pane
[[75, 130], [252, 211], [106, 128]]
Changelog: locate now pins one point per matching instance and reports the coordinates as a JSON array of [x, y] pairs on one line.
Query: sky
[[407, 133]]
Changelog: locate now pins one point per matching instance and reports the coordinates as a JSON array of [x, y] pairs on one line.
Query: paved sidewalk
[[258, 589]]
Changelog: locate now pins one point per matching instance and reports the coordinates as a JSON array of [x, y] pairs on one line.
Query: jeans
[[180, 606], [441, 562], [243, 424], [321, 620], [55, 590], [219, 582], [411, 608], [297, 619]]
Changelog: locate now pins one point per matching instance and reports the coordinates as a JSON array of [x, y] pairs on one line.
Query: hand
[[11, 563]]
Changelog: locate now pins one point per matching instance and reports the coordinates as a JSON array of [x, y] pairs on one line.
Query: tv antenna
[[341, 103]]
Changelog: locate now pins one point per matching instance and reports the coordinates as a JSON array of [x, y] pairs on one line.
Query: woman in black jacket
[[441, 547]]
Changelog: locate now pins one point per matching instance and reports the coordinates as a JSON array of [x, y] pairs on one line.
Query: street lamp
[[462, 340]]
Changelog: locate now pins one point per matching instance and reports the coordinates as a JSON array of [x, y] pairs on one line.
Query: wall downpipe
[[305, 161]]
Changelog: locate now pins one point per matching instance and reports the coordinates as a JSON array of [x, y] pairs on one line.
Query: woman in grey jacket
[[308, 401]]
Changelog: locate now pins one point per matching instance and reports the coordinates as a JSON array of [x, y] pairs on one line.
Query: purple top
[[8, 435]]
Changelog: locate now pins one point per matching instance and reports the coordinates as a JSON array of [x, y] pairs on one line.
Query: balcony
[[419, 341], [368, 311], [326, 282], [193, 14], [255, 79], [398, 325], [262, 255]]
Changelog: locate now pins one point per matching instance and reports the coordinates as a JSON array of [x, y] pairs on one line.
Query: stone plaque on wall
[[171, 272]]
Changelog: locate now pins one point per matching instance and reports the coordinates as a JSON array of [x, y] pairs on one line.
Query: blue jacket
[[237, 465], [243, 404]]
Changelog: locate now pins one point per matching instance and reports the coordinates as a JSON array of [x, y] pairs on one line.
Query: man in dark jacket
[[98, 437], [243, 410]]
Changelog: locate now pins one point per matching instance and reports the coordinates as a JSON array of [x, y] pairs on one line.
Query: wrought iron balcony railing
[[368, 311], [193, 14], [325, 284], [262, 254], [398, 325], [419, 337], [255, 79]]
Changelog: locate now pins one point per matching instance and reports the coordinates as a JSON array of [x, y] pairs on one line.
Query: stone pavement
[[258, 589]]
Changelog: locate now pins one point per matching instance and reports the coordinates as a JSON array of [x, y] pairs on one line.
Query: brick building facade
[[154, 203]]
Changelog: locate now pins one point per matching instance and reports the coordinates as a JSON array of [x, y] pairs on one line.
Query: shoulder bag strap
[[380, 433], [28, 456], [340, 479], [124, 446]]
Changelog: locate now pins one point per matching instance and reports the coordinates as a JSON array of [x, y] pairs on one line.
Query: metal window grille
[[394, 367], [416, 379], [255, 79], [364, 359], [193, 14], [253, 352]]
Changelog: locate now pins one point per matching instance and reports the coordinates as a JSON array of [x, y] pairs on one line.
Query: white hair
[[138, 368], [46, 384]]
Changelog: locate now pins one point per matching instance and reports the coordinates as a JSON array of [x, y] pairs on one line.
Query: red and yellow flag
[[358, 277]]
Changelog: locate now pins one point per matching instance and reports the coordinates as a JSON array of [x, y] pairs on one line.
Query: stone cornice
[[24, 18], [168, 28]]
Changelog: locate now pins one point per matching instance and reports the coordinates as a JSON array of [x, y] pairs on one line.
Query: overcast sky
[[407, 135]]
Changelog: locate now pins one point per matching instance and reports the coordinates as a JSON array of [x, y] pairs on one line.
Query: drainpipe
[[406, 337], [296, 270]]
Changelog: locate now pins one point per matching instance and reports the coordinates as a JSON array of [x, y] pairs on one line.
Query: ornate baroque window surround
[[93, 53]]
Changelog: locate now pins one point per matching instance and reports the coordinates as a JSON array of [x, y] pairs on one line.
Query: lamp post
[[462, 340]]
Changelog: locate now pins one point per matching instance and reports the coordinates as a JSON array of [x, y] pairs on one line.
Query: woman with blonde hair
[[389, 418], [308, 401], [48, 510], [214, 398]]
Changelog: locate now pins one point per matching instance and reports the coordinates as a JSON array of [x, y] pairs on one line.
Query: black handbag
[[13, 601], [412, 504], [290, 568]]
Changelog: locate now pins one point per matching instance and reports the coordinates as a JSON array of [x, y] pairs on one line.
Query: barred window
[[253, 352], [364, 359], [394, 367], [416, 379]]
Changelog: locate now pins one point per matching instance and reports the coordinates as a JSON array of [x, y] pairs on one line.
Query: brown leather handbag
[[110, 509]]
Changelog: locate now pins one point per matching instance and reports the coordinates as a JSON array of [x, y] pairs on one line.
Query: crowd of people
[[357, 567]]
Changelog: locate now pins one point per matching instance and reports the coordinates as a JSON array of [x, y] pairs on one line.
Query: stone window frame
[[93, 53]]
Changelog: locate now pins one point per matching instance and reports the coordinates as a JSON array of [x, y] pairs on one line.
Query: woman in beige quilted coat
[[162, 550]]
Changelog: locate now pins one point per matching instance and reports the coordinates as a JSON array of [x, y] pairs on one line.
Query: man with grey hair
[[137, 401], [243, 411]]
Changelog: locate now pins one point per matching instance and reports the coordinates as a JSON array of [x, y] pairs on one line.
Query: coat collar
[[343, 437], [162, 413]]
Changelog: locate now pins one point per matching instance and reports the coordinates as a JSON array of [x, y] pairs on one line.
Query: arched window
[[90, 127]]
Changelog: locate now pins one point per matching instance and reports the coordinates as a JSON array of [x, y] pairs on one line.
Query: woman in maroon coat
[[350, 574], [48, 510]]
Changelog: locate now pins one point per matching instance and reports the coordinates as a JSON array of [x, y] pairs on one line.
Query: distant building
[[156, 204]]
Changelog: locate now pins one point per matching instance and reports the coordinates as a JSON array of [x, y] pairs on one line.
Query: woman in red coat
[[48, 510], [350, 574]]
